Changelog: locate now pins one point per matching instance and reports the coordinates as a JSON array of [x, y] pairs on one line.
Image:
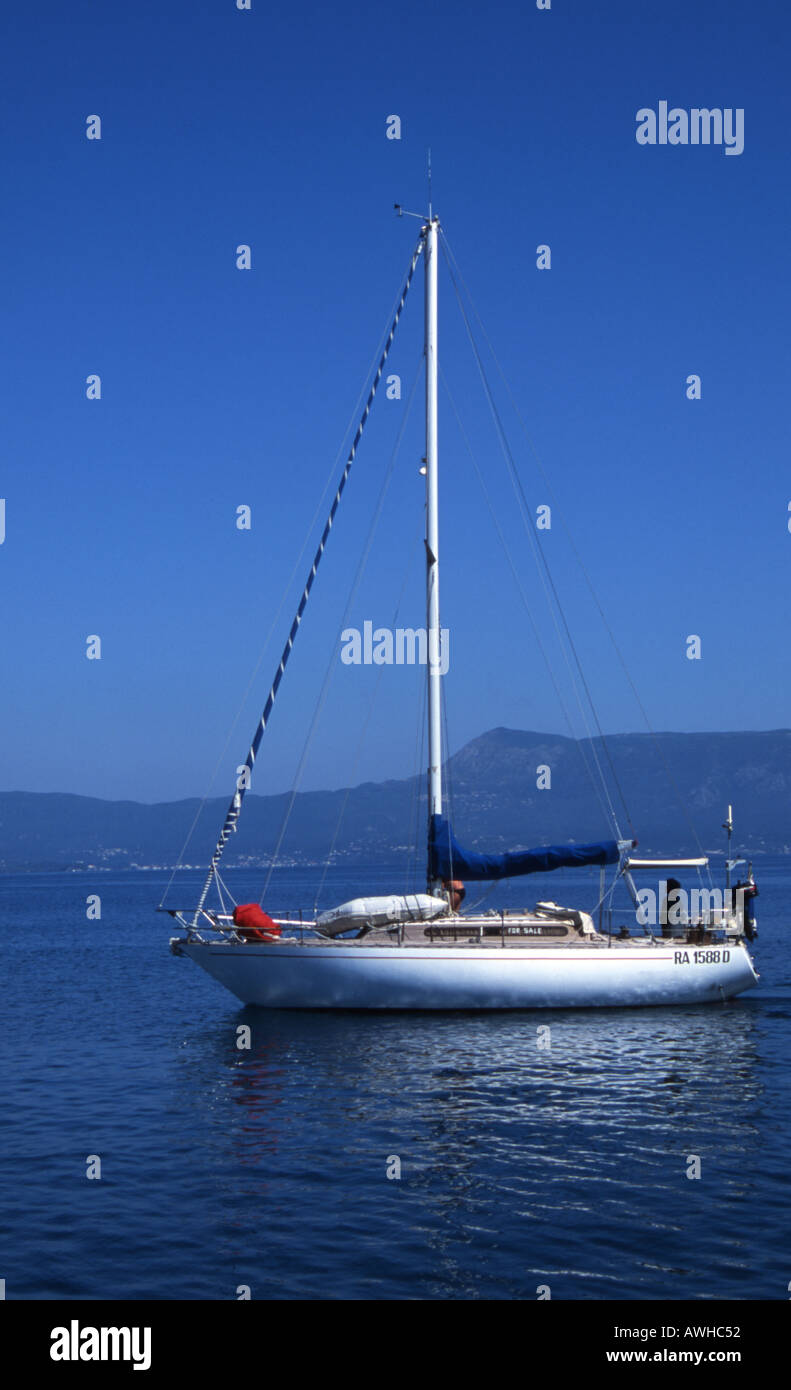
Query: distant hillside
[[492, 784]]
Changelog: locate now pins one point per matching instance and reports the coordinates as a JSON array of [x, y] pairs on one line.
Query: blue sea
[[520, 1168]]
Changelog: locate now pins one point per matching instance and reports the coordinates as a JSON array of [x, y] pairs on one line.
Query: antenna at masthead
[[429, 183]]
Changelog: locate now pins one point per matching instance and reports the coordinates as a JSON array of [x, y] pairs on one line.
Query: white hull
[[351, 975]]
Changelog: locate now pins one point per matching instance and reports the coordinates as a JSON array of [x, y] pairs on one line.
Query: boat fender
[[253, 924]]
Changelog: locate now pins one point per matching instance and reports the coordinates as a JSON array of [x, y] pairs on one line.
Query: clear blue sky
[[222, 387]]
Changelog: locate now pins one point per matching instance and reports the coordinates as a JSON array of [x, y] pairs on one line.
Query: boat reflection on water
[[564, 1156]]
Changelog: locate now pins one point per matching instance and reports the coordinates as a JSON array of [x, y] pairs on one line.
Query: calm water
[[267, 1167]]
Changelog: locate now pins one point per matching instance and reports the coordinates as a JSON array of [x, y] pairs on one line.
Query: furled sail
[[448, 860]]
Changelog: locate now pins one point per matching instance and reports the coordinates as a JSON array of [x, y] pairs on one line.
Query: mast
[[433, 665]]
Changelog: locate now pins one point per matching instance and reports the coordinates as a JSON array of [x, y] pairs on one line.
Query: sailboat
[[422, 951]]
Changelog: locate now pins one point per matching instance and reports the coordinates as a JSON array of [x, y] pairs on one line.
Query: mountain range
[[672, 794]]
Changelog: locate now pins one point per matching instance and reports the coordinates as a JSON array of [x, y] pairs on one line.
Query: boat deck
[[470, 942], [515, 930]]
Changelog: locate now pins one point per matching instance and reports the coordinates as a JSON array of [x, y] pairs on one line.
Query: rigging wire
[[448, 779], [589, 582], [541, 561], [546, 577], [358, 577], [417, 779], [525, 602], [235, 806], [450, 798], [377, 683], [361, 739], [318, 511]]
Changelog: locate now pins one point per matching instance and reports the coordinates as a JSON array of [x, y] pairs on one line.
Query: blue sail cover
[[447, 859]]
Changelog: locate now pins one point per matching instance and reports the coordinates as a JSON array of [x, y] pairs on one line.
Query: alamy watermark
[[402, 646], [700, 125], [676, 907]]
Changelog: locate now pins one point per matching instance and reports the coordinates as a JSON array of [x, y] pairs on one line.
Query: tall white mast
[[432, 529]]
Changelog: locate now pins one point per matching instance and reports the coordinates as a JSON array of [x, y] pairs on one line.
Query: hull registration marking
[[701, 957]]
